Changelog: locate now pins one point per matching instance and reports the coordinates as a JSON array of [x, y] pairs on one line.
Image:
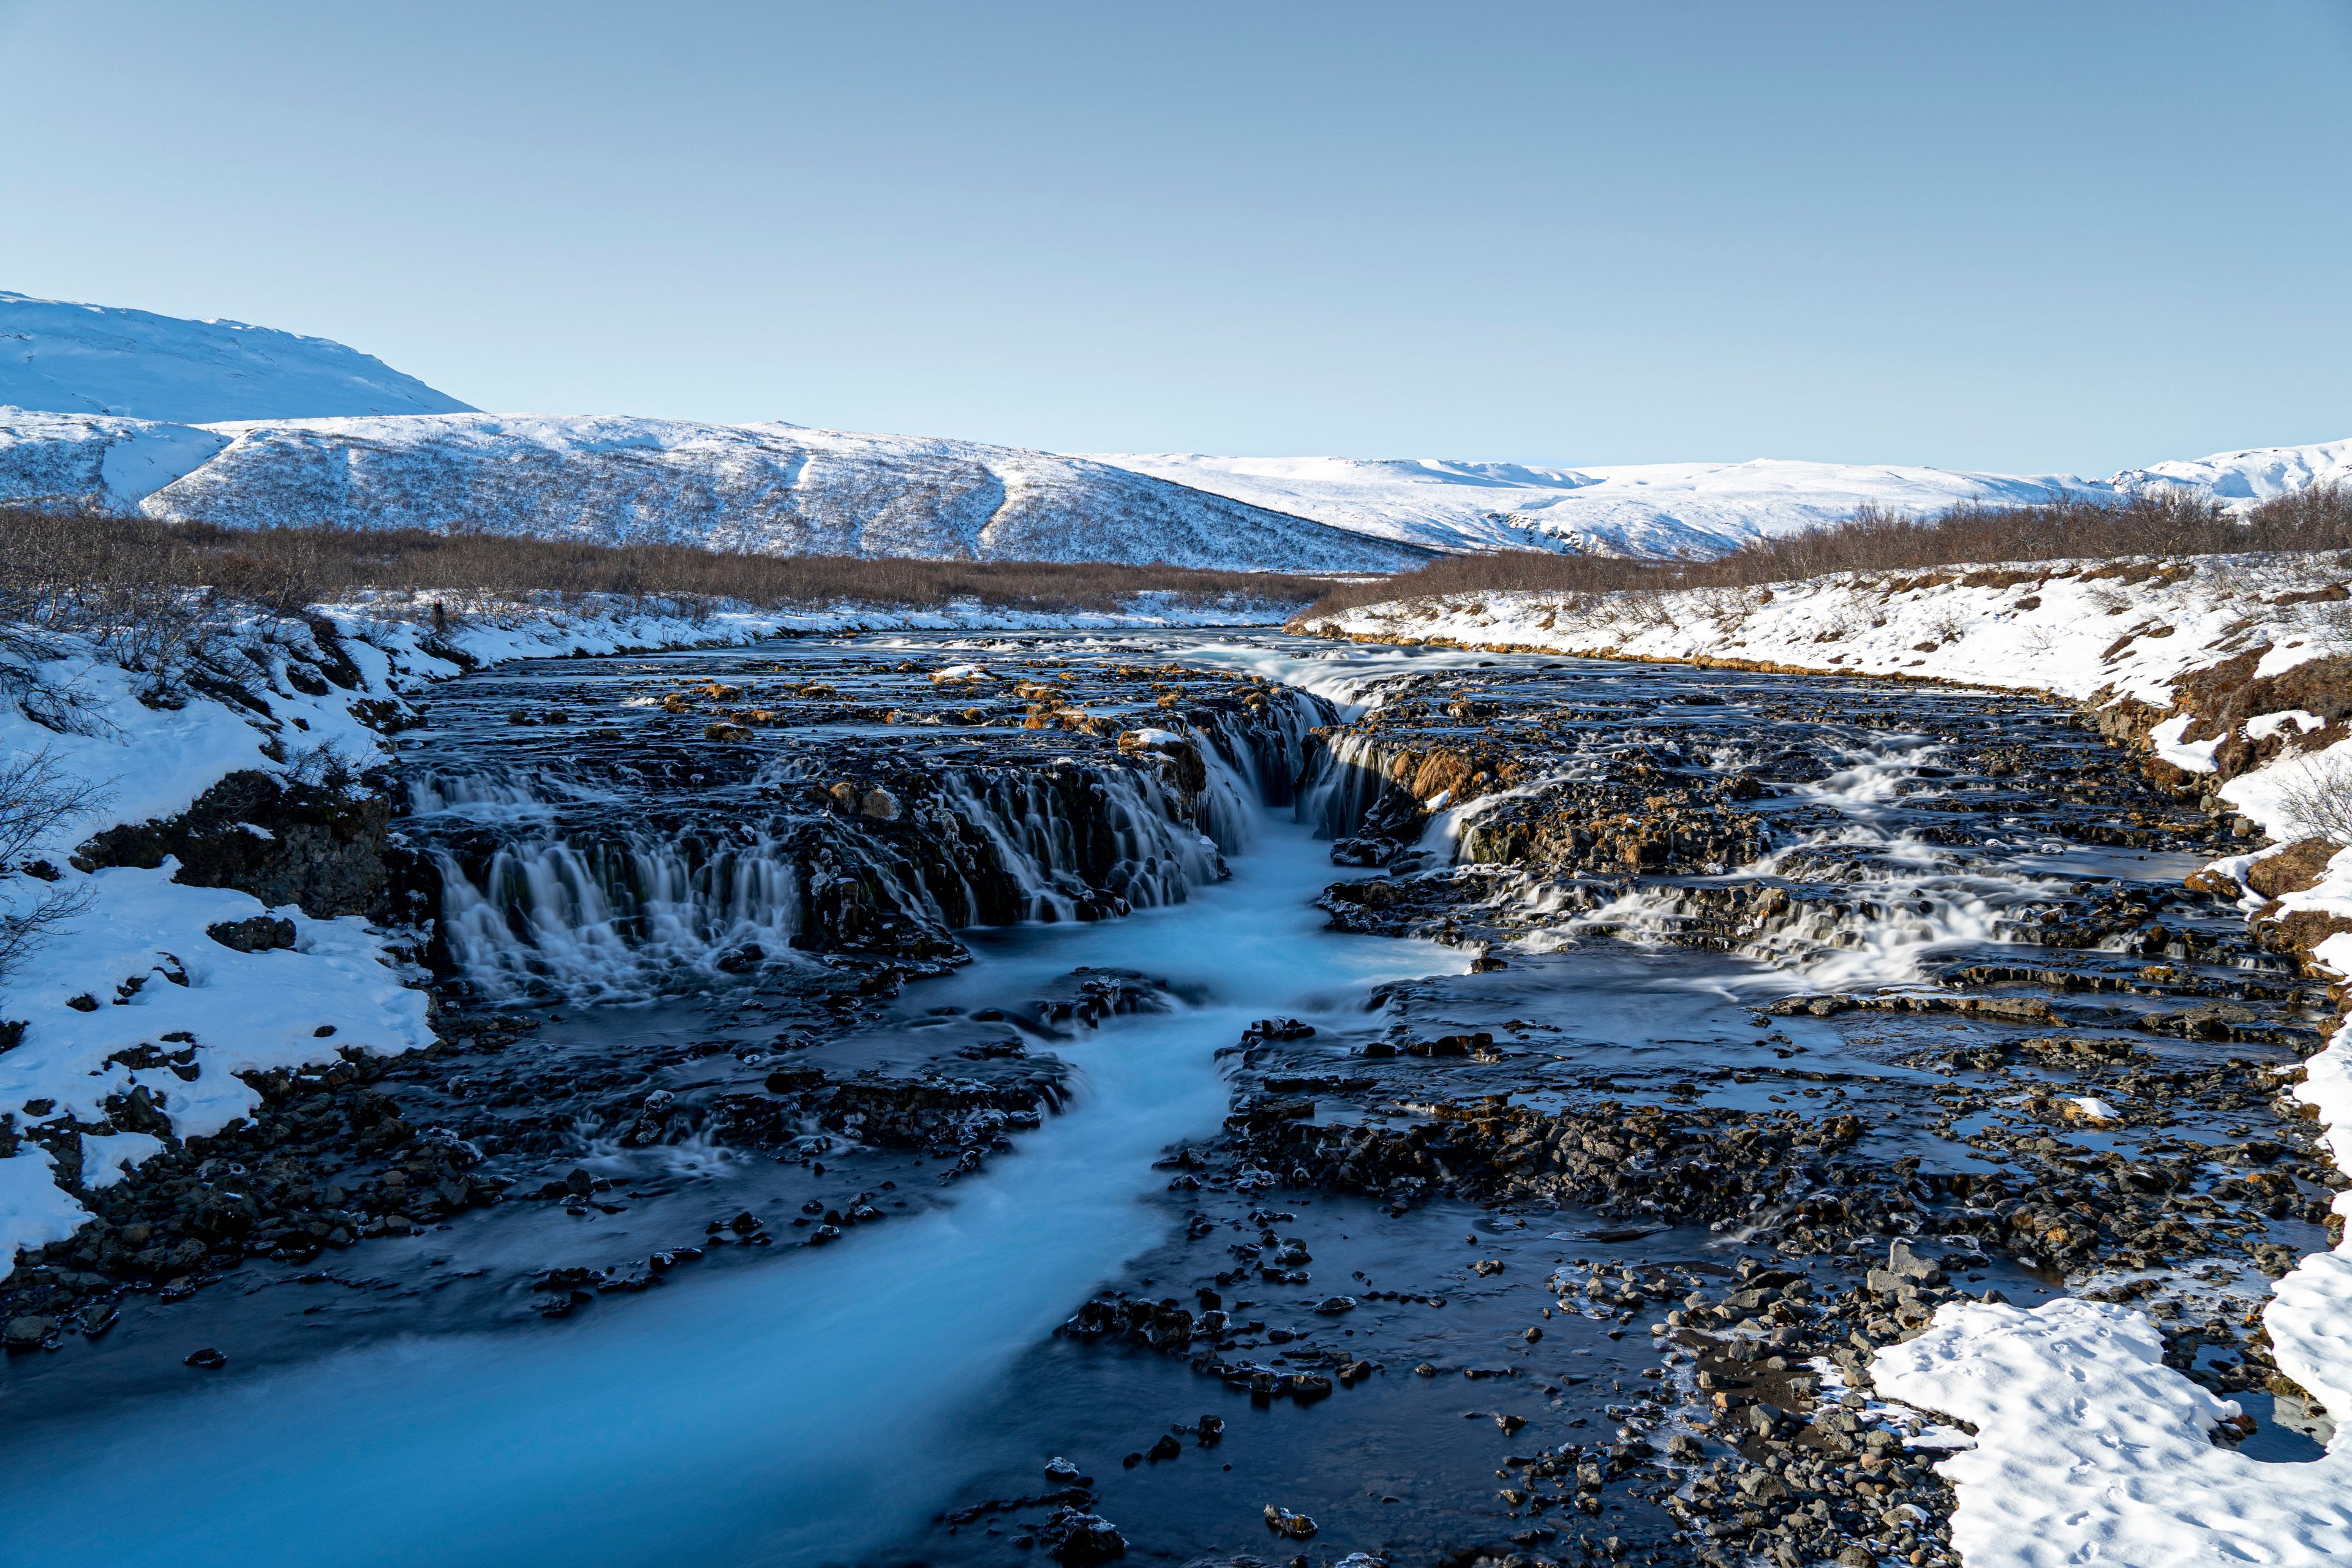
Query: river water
[[635, 899]]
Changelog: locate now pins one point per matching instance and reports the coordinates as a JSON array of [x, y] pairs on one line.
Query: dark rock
[[1076, 1539], [258, 933]]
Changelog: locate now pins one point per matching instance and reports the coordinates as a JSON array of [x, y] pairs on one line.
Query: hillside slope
[[96, 459], [2244, 478], [775, 489], [102, 358], [1659, 509]]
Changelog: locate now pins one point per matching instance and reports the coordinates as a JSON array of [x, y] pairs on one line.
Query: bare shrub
[[2316, 793], [1949, 624], [36, 798]]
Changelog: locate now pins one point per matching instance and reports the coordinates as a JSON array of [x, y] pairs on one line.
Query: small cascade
[[1061, 840], [590, 921]]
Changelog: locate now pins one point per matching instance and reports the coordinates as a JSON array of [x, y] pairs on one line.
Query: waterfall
[[557, 880]]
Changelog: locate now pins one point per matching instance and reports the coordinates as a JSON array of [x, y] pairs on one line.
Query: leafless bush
[[1948, 625], [325, 766], [2315, 792], [36, 796]]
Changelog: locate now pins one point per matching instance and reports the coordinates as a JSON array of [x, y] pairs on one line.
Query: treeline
[[2319, 518], [64, 565]]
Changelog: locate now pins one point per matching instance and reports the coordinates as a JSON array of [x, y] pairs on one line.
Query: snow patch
[[2089, 1448]]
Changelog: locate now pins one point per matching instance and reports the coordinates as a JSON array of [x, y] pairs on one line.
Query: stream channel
[[831, 1026]]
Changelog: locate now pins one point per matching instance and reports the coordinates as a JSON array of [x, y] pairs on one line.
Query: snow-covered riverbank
[[2234, 677]]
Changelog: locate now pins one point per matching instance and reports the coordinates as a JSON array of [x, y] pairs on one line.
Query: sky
[[2023, 238]]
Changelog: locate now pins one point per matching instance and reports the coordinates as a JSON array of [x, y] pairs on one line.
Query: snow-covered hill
[[776, 490], [245, 425], [2243, 478], [98, 459], [1675, 509], [101, 359]]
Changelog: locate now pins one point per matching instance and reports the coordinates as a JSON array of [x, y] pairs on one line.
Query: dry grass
[[1873, 541]]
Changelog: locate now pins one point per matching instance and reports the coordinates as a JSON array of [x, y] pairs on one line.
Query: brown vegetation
[[68, 568], [2074, 528]]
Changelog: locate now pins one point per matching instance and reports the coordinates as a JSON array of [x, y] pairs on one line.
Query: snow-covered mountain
[[101, 358], [248, 426], [1681, 508], [1642, 509], [2242, 479], [777, 489]]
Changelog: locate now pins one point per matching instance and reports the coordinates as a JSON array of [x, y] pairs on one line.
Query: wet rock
[[207, 1358], [1289, 1525], [1076, 1539], [28, 1332]]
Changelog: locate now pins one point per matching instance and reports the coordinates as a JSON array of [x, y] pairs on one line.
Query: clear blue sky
[[2019, 236]]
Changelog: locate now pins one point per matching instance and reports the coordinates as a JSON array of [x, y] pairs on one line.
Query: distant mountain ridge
[[1661, 509], [777, 489], [64, 357], [248, 426]]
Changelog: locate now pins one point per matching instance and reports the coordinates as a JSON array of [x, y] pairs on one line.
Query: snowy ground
[[2075, 629], [134, 964], [2089, 1449]]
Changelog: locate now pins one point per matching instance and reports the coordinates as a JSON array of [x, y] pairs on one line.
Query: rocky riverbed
[[1633, 1051]]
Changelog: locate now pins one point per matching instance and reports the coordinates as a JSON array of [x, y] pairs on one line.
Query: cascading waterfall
[[1350, 773], [593, 919], [1149, 850], [550, 884]]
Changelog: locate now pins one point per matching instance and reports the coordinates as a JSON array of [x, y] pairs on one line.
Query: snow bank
[[2090, 1449], [2075, 629], [33, 1210]]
